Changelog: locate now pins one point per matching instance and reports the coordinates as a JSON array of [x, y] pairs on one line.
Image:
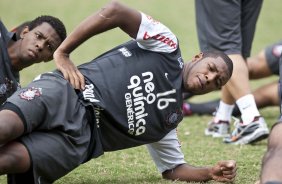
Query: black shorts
[[57, 132], [272, 54], [228, 26]]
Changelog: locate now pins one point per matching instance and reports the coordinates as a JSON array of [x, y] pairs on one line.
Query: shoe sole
[[258, 135], [215, 135]]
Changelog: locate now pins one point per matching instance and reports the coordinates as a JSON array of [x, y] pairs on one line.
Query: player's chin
[[198, 89]]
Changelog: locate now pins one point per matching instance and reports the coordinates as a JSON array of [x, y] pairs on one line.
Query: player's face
[[38, 44], [204, 75]]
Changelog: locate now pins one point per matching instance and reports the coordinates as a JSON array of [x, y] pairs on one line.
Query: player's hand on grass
[[69, 70], [224, 171]]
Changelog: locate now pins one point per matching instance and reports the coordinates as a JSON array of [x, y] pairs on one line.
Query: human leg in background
[[231, 30], [252, 127], [271, 164], [265, 96], [261, 65]]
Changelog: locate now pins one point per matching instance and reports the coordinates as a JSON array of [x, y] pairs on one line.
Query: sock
[[224, 111], [248, 108], [205, 107]]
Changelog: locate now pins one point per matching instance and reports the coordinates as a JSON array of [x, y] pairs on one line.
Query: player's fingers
[[227, 172], [65, 74], [72, 81], [229, 175], [223, 179], [67, 71], [76, 82], [70, 75], [81, 79], [225, 168], [228, 163], [231, 163]]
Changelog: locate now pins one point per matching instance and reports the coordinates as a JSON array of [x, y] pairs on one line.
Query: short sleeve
[[167, 153], [153, 35]]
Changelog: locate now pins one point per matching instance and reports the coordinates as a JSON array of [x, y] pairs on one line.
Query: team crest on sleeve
[[31, 93], [174, 118]]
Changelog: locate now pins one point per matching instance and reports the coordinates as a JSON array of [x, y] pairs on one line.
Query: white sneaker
[[247, 134], [218, 128]]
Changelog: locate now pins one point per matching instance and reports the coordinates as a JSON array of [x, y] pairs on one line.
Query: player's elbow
[[114, 7], [174, 174], [167, 175]]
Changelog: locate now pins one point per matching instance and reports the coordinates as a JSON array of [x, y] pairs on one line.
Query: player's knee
[[11, 126], [274, 140], [5, 133], [272, 153], [14, 158]]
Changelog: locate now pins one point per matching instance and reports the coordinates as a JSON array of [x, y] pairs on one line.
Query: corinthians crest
[[31, 93], [174, 118]]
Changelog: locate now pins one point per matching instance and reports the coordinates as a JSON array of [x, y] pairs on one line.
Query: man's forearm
[[188, 173]]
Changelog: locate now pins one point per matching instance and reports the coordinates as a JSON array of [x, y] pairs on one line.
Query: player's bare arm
[[223, 171], [111, 16]]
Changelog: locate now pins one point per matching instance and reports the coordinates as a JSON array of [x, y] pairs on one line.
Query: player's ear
[[24, 31], [197, 57]]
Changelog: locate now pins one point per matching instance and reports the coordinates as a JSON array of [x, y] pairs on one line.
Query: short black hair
[[226, 59], [56, 23]]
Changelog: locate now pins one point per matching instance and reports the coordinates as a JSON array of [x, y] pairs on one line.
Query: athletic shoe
[[218, 128], [186, 109], [247, 134]]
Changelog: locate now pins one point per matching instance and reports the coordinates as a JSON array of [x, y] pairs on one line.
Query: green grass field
[[134, 165]]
